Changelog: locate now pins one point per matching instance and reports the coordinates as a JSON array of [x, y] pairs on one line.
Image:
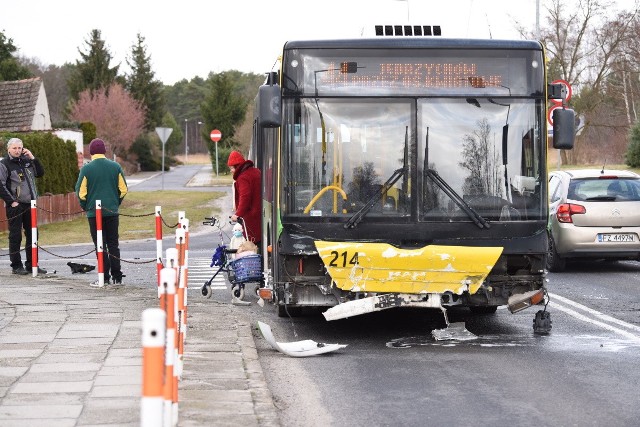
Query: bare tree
[[480, 158], [629, 65], [585, 42]]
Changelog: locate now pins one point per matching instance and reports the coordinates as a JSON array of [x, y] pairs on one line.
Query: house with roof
[[24, 106]]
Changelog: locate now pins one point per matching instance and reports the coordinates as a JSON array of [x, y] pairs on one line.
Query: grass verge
[[137, 217]]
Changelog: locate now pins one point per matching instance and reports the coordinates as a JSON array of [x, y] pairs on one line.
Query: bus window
[[350, 152], [462, 142]]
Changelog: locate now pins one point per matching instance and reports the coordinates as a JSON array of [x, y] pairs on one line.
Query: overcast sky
[[188, 38]]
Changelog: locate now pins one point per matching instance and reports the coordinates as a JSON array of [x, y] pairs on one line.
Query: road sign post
[[164, 134], [216, 135]]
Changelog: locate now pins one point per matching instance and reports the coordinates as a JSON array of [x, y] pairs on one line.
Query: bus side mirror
[[269, 111], [564, 122]]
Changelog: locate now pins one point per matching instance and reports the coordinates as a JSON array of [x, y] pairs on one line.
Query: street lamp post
[[198, 135], [538, 19], [186, 141]]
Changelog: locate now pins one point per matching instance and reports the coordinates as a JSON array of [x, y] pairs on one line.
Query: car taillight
[[566, 210]]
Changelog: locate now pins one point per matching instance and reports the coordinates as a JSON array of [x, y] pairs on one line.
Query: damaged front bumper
[[370, 304]]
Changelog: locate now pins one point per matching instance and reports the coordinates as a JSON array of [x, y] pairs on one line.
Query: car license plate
[[616, 238]]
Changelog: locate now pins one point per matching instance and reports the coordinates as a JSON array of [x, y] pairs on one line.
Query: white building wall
[[76, 137], [70, 135], [41, 118]]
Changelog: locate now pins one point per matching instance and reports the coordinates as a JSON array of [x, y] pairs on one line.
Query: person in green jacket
[[103, 179]]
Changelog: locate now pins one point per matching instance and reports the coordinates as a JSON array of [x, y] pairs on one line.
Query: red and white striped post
[[34, 238], [153, 347], [170, 402], [99, 243], [158, 242]]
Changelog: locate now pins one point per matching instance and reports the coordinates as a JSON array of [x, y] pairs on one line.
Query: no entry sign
[[216, 135]]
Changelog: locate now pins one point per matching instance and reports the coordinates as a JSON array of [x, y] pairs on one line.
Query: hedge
[[58, 157]]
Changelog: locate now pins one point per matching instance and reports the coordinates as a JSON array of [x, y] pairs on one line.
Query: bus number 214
[[338, 258]]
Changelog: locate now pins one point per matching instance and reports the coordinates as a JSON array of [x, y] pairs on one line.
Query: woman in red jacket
[[248, 195]]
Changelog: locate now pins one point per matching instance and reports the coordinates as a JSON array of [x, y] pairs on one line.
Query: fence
[[53, 208]]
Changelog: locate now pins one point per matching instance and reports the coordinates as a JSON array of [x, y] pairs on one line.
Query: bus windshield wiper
[[472, 213], [375, 198]]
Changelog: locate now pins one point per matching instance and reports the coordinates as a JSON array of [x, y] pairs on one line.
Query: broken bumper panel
[[381, 302]]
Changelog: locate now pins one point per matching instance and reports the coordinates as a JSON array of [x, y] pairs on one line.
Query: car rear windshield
[[604, 189]]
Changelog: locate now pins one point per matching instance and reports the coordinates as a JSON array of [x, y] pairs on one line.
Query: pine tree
[[93, 72], [224, 109], [10, 68], [142, 85]]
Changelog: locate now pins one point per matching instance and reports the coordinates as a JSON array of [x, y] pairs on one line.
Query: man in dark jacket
[[103, 179], [18, 172], [247, 195]]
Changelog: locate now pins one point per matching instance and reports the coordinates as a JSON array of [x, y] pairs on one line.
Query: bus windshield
[[452, 138]]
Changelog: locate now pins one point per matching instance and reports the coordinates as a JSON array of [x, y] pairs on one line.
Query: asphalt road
[[393, 372]]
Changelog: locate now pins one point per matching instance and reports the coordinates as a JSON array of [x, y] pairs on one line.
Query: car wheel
[[554, 262]]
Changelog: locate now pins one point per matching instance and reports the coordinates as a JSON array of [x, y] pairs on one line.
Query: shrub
[[58, 157]]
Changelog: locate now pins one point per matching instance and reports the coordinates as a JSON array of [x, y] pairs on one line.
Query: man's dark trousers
[[19, 221], [111, 249]]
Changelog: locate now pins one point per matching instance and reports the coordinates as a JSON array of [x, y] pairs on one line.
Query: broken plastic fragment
[[455, 331], [303, 348]]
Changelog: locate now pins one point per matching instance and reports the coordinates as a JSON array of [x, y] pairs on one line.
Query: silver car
[[593, 213]]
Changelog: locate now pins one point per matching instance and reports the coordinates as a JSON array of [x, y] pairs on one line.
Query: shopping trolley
[[240, 272]]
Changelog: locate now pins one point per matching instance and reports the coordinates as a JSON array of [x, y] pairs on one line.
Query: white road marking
[[200, 271], [596, 314]]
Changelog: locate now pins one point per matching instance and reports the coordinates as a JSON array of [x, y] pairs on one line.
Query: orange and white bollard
[[153, 366], [34, 238], [158, 242], [99, 243], [170, 401], [171, 261], [180, 244], [185, 270]]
